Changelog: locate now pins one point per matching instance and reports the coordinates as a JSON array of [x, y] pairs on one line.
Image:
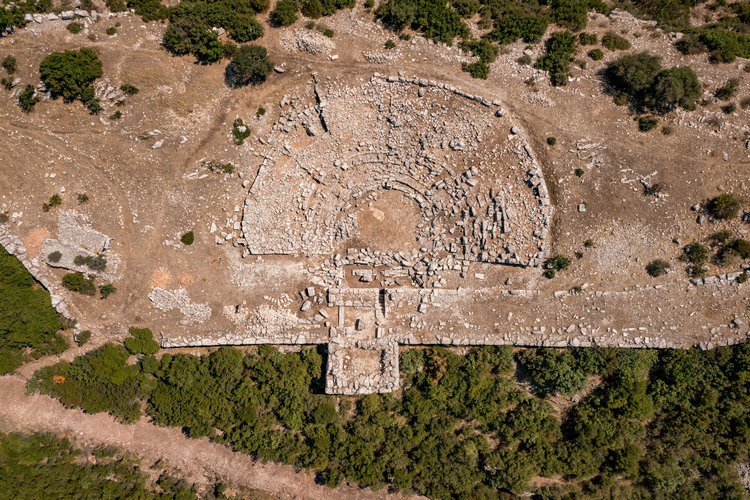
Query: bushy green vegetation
[[724, 206], [613, 41], [141, 342], [74, 27], [10, 64], [28, 322], [77, 282], [250, 64], [187, 238], [560, 48], [45, 466], [28, 99], [657, 268], [284, 13], [649, 425], [95, 263], [70, 74], [648, 85], [596, 54], [107, 290], [485, 51]]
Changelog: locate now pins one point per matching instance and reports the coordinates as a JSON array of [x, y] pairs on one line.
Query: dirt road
[[201, 458]]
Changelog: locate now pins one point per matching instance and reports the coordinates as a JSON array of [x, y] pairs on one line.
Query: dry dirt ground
[[146, 197]]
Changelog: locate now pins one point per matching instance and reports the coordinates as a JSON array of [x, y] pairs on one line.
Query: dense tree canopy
[[649, 424], [251, 64], [28, 322], [70, 73], [641, 76]]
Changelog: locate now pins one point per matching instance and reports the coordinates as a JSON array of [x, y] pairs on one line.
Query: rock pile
[[306, 41]]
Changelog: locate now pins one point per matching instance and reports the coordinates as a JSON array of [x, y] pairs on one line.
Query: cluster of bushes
[[70, 74], [78, 282], [45, 466], [642, 78], [95, 263], [485, 51], [556, 60], [219, 168], [285, 11], [29, 324], [650, 424]]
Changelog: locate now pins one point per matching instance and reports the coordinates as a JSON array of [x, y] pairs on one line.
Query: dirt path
[[201, 458]]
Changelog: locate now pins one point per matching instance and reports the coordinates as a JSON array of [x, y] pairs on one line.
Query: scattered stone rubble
[[178, 299], [306, 41]]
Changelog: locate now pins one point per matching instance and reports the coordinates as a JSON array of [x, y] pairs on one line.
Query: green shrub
[[482, 49], [219, 168], [369, 4], [478, 69], [690, 44], [724, 206], [111, 31], [251, 64], [10, 64], [633, 73], [141, 342], [28, 99], [285, 13], [674, 87], [657, 268], [82, 198], [434, 18], [579, 172], [560, 48], [240, 131], [97, 264], [116, 6], [77, 282], [728, 91], [550, 274], [187, 238], [70, 73], [328, 33], [596, 54], [696, 253], [588, 39], [742, 278], [740, 247], [647, 123], [560, 262], [551, 141], [107, 290], [613, 41], [390, 44], [310, 25], [729, 108], [54, 257], [653, 189], [261, 111], [589, 243], [74, 27], [312, 8], [83, 337], [524, 60], [129, 89], [405, 37]]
